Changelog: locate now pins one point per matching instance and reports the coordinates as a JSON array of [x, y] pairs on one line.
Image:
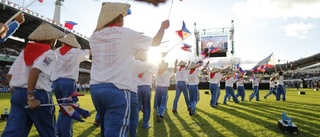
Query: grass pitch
[[244, 120]]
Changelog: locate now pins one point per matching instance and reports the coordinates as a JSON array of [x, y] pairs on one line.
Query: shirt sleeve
[[14, 65], [140, 41], [13, 26], [46, 62]]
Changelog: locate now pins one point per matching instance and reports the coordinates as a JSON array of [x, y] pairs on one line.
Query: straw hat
[[164, 65], [230, 74], [71, 40], [214, 69], [109, 11], [46, 32], [181, 63], [192, 65], [141, 56], [257, 75]]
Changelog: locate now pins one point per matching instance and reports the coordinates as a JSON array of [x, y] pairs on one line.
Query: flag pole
[[177, 44], [170, 9], [47, 105], [19, 12]]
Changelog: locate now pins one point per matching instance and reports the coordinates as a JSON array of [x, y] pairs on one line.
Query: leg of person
[[234, 98], [155, 102], [253, 93], [213, 95], [134, 115], [43, 117], [113, 106], [163, 91], [140, 106], [193, 99], [18, 123], [238, 91], [243, 94], [186, 94], [218, 95], [146, 98], [278, 94], [97, 120], [226, 96], [64, 88], [176, 99], [257, 94]]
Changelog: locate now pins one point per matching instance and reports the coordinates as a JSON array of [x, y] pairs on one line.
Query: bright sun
[[154, 55]]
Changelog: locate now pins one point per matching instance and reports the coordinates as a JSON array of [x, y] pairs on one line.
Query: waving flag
[[69, 24], [240, 69], [213, 49], [264, 64], [82, 112], [68, 110], [184, 32], [186, 47]]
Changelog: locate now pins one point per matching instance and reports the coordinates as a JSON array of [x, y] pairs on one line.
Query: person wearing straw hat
[[229, 79], [240, 87], [272, 89], [280, 87], [65, 77], [30, 77], [256, 79], [215, 76], [112, 47], [144, 89], [162, 77], [8, 30], [181, 84], [193, 82]]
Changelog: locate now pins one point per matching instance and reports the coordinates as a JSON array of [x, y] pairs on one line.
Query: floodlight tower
[[57, 11], [232, 42]]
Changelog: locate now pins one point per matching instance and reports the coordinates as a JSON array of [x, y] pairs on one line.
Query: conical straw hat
[[192, 65], [46, 32], [109, 11], [214, 69], [181, 63], [71, 40]]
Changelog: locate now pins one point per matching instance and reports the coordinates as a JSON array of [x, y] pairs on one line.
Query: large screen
[[216, 46]]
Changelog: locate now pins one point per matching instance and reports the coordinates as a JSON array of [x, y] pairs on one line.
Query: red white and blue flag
[[240, 69], [184, 32], [213, 49], [69, 24], [74, 111], [186, 47], [264, 64]]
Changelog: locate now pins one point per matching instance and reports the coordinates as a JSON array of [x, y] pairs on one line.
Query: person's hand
[[33, 103], [163, 54], [165, 25], [20, 18], [3, 30]]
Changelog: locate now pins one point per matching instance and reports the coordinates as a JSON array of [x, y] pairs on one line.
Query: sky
[[287, 28]]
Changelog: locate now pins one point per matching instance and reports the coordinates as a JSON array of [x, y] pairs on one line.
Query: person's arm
[[158, 37], [13, 26], [32, 81], [3, 30], [205, 67]]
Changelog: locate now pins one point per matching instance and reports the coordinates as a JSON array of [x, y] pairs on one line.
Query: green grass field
[[244, 120]]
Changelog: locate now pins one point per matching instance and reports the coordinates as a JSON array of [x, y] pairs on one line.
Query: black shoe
[[174, 111], [265, 97], [217, 103], [225, 103], [158, 118]]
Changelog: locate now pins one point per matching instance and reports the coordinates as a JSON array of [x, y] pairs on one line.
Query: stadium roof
[[32, 21]]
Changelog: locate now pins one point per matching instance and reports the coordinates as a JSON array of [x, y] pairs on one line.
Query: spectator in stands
[[8, 30], [112, 48], [30, 78], [181, 84], [65, 76]]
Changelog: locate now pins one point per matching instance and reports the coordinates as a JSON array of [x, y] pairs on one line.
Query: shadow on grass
[[141, 131], [88, 131], [186, 126], [227, 124], [307, 106], [206, 127], [274, 116], [173, 130]]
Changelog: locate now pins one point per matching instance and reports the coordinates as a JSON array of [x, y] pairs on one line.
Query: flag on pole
[[264, 64], [184, 32], [82, 112], [240, 69], [68, 110], [69, 24], [213, 49], [186, 47]]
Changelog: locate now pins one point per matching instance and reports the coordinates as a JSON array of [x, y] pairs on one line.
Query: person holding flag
[[30, 77], [181, 86], [240, 87], [8, 30], [193, 82], [65, 77], [112, 47], [280, 87], [256, 79], [272, 89]]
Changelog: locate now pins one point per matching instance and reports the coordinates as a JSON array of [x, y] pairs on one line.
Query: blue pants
[[63, 88], [230, 92], [134, 115], [21, 119], [241, 92], [255, 93], [161, 99], [215, 91], [194, 97], [271, 91], [113, 106], [281, 91], [155, 102], [181, 86], [144, 99]]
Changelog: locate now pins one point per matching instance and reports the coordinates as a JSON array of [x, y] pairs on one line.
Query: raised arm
[[158, 38]]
